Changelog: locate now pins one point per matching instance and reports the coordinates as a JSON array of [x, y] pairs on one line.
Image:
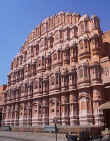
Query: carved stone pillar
[[10, 115], [54, 110], [51, 110], [17, 115], [25, 115], [39, 112], [74, 121], [58, 110], [29, 114], [85, 110], [97, 101], [7, 115], [65, 110], [45, 110], [21, 114], [13, 115]]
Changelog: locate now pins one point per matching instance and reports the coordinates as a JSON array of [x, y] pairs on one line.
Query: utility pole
[[56, 130]]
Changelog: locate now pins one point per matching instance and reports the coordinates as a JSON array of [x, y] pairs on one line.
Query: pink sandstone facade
[[2, 89], [62, 71]]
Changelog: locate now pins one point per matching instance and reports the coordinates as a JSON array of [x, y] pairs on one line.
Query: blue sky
[[19, 17]]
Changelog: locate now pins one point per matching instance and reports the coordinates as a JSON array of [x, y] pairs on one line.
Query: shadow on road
[[15, 139]]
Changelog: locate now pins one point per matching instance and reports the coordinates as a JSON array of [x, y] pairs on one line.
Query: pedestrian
[[66, 136], [71, 137]]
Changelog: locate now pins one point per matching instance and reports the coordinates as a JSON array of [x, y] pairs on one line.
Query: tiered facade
[[58, 74], [2, 90]]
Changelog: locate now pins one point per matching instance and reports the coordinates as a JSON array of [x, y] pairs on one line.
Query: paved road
[[21, 136]]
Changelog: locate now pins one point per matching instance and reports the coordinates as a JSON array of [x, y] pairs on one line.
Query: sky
[[19, 17]]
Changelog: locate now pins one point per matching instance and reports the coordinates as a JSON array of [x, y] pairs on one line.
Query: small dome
[[93, 16], [60, 12], [84, 18]]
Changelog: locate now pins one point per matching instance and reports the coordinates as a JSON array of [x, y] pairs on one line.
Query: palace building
[[62, 72]]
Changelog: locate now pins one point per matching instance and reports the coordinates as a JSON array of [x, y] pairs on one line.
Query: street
[[27, 136]]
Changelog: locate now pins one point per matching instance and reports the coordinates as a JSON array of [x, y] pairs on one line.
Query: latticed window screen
[[81, 72]]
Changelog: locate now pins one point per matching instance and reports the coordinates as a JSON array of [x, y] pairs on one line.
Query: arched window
[[52, 80], [57, 78], [37, 49], [85, 71], [26, 88], [43, 60], [82, 27]]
